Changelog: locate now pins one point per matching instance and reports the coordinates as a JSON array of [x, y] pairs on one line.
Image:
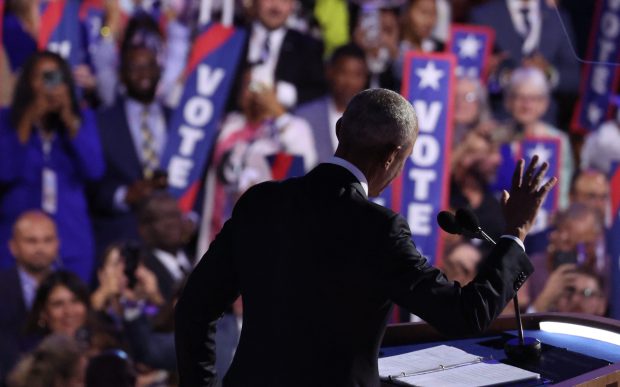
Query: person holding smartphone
[[49, 149]]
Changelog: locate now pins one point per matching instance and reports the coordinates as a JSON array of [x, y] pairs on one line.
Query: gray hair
[[532, 75], [377, 118]]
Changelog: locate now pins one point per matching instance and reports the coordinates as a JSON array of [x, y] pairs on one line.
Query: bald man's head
[[34, 243]]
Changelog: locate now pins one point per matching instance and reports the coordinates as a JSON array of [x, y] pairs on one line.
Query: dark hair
[[110, 368], [350, 50], [52, 281], [145, 209], [24, 94], [142, 32]]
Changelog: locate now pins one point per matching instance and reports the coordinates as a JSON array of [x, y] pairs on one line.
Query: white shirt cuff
[[119, 198], [517, 240]]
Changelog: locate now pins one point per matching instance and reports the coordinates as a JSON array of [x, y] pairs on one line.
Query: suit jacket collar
[[332, 174]]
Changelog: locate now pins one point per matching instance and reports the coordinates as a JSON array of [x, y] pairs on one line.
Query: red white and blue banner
[[422, 190], [92, 16], [548, 150], [472, 46], [285, 166], [61, 32], [613, 241], [209, 76], [599, 79]]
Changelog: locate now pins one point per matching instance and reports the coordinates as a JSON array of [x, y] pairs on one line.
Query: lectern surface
[[564, 356]]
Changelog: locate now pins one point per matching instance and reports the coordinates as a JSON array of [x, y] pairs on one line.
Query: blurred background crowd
[[93, 248]]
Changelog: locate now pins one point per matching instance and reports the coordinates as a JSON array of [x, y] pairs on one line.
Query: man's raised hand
[[526, 196]]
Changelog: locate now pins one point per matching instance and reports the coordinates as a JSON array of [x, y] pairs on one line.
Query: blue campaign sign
[[548, 150], [208, 80], [613, 241], [599, 77], [61, 31], [423, 188], [472, 47]]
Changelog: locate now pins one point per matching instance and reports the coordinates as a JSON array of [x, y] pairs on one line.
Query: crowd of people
[[94, 250]]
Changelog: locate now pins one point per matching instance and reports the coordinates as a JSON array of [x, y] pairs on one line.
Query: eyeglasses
[[570, 292], [528, 97], [468, 97]]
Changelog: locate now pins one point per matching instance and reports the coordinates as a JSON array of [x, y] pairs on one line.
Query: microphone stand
[[523, 348]]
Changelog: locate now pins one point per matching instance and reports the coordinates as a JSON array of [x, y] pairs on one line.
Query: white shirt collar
[[351, 168], [174, 264]]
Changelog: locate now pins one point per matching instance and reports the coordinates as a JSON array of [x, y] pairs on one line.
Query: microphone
[[518, 348], [467, 220], [447, 222]]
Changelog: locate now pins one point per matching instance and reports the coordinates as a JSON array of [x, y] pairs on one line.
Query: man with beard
[[133, 136], [347, 75], [34, 244]]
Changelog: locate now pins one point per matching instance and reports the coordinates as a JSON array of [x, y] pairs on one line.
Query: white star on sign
[[429, 76], [469, 47], [544, 154], [594, 113]]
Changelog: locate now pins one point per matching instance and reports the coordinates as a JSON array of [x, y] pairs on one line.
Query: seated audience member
[[57, 361], [602, 146], [471, 110], [460, 263], [287, 62], [347, 75], [527, 100], [49, 150], [61, 306], [418, 22], [161, 229], [133, 135], [259, 129], [376, 32], [585, 295], [124, 279], [591, 188], [474, 165], [578, 239], [35, 247]]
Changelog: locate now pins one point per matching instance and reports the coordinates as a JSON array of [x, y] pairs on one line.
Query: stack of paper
[[448, 366]]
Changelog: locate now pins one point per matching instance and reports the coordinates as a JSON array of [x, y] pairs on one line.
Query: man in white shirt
[[282, 58]]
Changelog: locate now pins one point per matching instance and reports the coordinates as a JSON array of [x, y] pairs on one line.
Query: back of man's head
[[375, 122], [34, 242]]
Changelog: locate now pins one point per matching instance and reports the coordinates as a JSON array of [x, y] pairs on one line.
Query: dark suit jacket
[[12, 318], [123, 167], [554, 45], [316, 112], [319, 266], [301, 63], [166, 282]]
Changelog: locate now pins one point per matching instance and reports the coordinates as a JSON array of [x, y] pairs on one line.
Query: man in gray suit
[[305, 250]]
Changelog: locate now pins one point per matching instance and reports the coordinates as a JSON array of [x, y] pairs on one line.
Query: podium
[[578, 350]]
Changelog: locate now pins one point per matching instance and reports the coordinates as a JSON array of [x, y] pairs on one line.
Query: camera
[[52, 78], [132, 254]]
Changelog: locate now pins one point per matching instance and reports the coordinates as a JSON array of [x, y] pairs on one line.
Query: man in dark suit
[[282, 58], [304, 251], [34, 245], [347, 75], [133, 135], [162, 228]]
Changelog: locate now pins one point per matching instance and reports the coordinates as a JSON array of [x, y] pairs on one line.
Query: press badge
[[49, 195]]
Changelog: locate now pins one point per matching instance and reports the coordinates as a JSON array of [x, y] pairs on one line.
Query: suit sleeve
[[211, 287], [412, 283]]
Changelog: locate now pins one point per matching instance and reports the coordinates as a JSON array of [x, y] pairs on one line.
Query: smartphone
[[131, 252], [562, 257]]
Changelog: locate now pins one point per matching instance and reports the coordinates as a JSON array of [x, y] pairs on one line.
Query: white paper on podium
[[448, 366]]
